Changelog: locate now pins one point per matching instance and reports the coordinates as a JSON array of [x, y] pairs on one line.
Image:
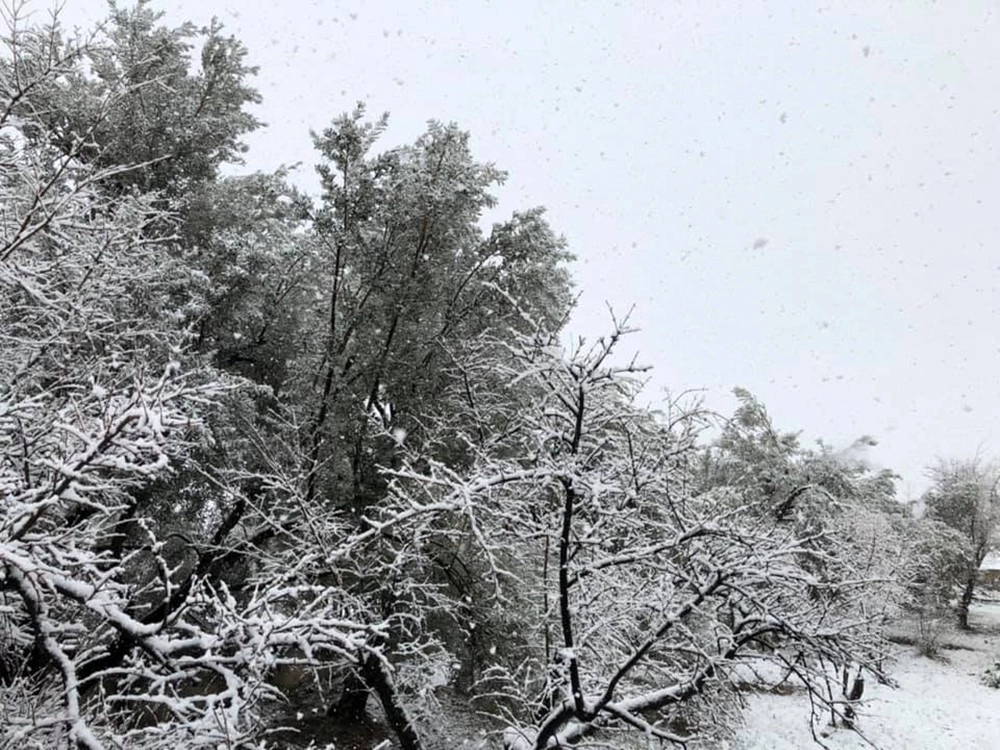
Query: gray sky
[[798, 198]]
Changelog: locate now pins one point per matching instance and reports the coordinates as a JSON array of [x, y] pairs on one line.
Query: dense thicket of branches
[[259, 446]]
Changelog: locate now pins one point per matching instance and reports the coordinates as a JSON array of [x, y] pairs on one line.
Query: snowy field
[[940, 704]]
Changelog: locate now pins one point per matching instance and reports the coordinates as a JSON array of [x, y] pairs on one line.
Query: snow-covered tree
[[175, 118], [120, 626], [638, 594], [404, 276], [964, 495]]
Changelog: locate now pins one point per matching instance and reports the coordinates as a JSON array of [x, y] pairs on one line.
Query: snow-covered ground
[[940, 704]]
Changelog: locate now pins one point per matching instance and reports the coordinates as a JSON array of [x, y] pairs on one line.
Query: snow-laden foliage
[[639, 591], [251, 443], [117, 629], [964, 496]]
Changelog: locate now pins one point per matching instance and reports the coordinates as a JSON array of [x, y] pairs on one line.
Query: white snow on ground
[[940, 704]]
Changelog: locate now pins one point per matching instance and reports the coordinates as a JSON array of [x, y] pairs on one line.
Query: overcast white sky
[[799, 198]]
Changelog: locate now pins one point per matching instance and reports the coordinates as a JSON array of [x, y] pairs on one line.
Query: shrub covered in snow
[[991, 677]]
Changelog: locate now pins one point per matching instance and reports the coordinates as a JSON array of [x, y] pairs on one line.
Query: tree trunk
[[374, 673], [966, 600], [852, 691]]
